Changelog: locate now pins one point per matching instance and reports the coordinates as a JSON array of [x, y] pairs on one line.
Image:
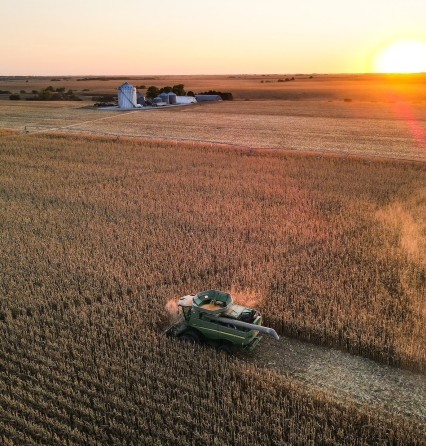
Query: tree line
[[48, 94], [179, 90]]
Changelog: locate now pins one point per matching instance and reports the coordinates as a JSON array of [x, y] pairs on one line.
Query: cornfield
[[98, 234]]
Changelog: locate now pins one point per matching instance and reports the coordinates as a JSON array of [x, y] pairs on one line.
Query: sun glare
[[402, 56]]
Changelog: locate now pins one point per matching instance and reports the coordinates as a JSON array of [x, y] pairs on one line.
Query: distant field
[[98, 234], [363, 88], [372, 129], [382, 116]]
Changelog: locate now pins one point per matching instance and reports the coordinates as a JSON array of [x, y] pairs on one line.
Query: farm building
[[127, 96], [171, 99], [185, 100], [207, 97], [158, 102], [164, 97], [140, 99]]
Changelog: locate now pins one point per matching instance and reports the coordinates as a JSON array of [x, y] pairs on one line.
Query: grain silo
[[158, 101], [172, 98], [164, 96], [127, 96]]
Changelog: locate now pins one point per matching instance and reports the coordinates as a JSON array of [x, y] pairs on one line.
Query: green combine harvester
[[212, 317]]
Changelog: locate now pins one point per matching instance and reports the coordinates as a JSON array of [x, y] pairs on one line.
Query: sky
[[143, 37]]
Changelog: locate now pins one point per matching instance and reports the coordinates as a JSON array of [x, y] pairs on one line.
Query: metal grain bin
[[172, 98], [164, 97], [126, 96]]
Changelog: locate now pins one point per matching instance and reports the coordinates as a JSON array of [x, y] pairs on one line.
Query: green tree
[[45, 94], [166, 89], [179, 90], [152, 92]]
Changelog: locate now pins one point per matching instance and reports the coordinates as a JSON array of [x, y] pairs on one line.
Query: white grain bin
[[164, 96], [127, 96], [172, 98]]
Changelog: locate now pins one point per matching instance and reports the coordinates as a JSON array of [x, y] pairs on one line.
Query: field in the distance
[[386, 116], [98, 234], [321, 87]]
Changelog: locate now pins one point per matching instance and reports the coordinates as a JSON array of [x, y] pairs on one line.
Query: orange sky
[[46, 37]]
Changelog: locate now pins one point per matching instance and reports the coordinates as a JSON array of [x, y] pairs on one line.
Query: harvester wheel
[[225, 349], [187, 338], [190, 337]]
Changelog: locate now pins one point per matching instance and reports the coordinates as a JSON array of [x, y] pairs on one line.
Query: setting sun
[[402, 56]]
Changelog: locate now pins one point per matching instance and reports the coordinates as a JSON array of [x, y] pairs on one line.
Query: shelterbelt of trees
[[179, 90], [48, 94]]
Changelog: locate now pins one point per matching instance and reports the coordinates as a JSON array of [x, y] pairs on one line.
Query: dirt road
[[360, 379]]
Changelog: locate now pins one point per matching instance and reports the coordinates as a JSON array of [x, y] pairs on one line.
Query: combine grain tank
[[211, 316]]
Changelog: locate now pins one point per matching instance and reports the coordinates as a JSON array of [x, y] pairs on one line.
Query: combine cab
[[211, 316]]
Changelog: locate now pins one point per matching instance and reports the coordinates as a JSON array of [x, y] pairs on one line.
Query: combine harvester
[[212, 317]]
